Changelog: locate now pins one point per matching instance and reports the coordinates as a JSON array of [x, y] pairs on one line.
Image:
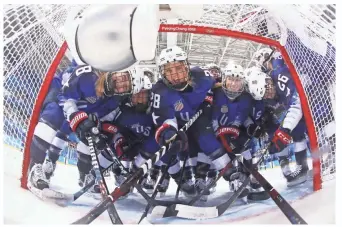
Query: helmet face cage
[[175, 74], [233, 86], [141, 101], [118, 84]]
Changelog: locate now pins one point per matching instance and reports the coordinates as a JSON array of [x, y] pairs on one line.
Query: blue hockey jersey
[[78, 93], [177, 107]]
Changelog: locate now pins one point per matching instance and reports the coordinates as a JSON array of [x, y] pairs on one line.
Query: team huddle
[[137, 115]]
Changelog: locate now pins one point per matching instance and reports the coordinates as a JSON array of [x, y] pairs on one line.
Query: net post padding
[[317, 183], [36, 112]]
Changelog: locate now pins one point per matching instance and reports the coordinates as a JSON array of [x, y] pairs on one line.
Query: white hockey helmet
[[256, 84], [175, 77], [150, 74], [147, 83], [248, 71], [141, 100], [234, 70], [113, 37], [171, 54]]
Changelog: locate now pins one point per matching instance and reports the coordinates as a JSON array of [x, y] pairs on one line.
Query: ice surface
[[22, 207]]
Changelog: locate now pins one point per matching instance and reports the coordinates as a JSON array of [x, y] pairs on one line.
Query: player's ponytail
[[99, 85]]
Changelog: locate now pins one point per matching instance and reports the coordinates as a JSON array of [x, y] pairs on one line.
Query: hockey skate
[[257, 192], [162, 188], [285, 166], [81, 179], [298, 176], [149, 184], [200, 185], [235, 181], [212, 174], [187, 187], [37, 178], [39, 184], [186, 183], [85, 179], [41, 173], [49, 168]]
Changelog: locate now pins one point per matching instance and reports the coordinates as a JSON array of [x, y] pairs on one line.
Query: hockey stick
[[131, 180], [114, 217], [283, 205], [171, 210], [155, 192], [189, 212], [181, 179]]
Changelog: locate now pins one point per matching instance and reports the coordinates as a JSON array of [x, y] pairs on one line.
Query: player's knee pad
[[300, 145], [203, 158], [191, 161], [83, 148], [58, 144], [45, 131], [104, 160], [142, 157], [175, 167], [84, 163], [284, 153], [38, 149], [247, 154], [219, 158]]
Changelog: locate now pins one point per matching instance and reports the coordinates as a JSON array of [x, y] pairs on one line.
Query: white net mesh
[[33, 35]]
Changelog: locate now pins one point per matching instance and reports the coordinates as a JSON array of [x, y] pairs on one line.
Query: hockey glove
[[107, 132], [81, 125], [281, 140], [266, 120], [128, 150], [120, 146], [108, 129], [164, 135], [206, 105], [228, 137]]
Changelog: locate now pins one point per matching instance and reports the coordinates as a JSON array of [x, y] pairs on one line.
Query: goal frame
[[317, 181]]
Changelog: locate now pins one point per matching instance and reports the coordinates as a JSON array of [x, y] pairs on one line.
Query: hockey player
[[214, 71], [233, 125], [51, 132], [280, 95], [86, 92], [176, 98]]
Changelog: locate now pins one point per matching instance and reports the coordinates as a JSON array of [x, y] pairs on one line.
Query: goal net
[[35, 50]]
